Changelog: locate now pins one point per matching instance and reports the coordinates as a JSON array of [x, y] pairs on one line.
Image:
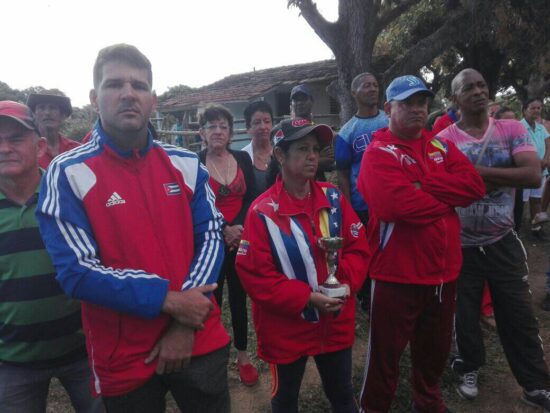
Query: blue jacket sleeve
[[207, 227], [68, 237]]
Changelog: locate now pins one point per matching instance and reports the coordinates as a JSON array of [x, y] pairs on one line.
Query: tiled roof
[[246, 86]]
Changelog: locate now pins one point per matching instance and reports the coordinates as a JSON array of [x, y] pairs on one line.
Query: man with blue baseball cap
[[412, 184]]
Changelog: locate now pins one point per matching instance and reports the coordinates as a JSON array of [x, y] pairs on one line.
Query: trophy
[[332, 288]]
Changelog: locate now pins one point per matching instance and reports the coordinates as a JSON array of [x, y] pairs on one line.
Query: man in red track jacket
[[133, 231], [412, 184]]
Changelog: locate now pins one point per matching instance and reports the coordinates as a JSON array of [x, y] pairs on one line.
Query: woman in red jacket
[[281, 267]]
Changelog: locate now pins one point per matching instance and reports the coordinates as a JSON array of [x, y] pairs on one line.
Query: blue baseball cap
[[405, 86], [301, 89]]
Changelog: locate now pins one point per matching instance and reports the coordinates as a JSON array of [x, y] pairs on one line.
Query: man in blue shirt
[[351, 142], [355, 136]]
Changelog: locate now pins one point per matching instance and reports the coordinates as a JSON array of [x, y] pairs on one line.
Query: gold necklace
[[264, 160], [224, 186], [307, 195]]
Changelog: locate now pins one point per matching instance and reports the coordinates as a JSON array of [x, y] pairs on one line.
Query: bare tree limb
[[323, 28], [545, 85], [451, 32], [389, 16], [376, 4]]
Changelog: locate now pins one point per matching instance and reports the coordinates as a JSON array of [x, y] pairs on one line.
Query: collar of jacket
[[106, 139], [287, 205], [386, 136]]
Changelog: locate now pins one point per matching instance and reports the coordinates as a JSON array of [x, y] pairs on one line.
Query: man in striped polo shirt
[[40, 329]]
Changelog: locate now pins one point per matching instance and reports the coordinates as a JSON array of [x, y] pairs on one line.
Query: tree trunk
[[353, 53], [352, 38]]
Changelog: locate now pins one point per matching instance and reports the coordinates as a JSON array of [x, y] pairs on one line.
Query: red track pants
[[421, 315]]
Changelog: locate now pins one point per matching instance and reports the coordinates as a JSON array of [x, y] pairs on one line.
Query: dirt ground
[[499, 392]]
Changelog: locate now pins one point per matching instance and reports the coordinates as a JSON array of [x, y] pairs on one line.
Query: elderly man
[[503, 153], [133, 231], [412, 184], [50, 111], [41, 335]]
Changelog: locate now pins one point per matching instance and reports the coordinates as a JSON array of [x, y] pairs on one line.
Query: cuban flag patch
[[172, 188]]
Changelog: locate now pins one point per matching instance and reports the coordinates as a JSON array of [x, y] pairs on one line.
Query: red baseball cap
[[18, 112], [293, 129]]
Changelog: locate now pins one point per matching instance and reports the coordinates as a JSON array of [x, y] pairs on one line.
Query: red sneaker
[[248, 374]]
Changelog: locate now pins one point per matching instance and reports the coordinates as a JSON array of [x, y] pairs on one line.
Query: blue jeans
[[25, 390]]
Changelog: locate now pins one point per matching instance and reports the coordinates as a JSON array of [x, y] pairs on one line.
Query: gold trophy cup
[[332, 287]]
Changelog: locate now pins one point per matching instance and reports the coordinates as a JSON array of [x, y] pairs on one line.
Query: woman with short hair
[[232, 181]]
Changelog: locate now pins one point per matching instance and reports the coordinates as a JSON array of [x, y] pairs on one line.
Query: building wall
[[279, 99]]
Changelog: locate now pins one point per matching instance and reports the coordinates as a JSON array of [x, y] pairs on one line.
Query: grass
[[499, 390], [313, 400]]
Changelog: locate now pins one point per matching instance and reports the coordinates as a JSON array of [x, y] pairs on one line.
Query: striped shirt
[[39, 325]]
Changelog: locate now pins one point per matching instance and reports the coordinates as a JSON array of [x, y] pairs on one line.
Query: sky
[[55, 42]]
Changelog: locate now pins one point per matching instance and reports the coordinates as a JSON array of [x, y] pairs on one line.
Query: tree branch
[[451, 32], [521, 90], [389, 16], [545, 85], [376, 4], [323, 28]]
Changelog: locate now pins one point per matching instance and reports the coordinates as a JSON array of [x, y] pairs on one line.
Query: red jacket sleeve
[[460, 185], [391, 195], [259, 276], [441, 123]]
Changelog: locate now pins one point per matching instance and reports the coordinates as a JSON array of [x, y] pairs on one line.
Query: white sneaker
[[467, 385], [537, 398], [540, 218]]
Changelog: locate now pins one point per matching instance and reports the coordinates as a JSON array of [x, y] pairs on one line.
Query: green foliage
[[75, 127], [7, 93], [523, 35], [409, 28], [79, 123]]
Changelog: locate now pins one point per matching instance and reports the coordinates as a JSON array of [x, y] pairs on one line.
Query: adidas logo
[[115, 199]]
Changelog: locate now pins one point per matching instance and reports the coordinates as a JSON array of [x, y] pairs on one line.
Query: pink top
[[490, 219]]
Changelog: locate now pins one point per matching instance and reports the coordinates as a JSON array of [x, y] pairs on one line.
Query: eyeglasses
[[212, 127]]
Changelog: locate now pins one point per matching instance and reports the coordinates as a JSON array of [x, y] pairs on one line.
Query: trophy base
[[333, 291]]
